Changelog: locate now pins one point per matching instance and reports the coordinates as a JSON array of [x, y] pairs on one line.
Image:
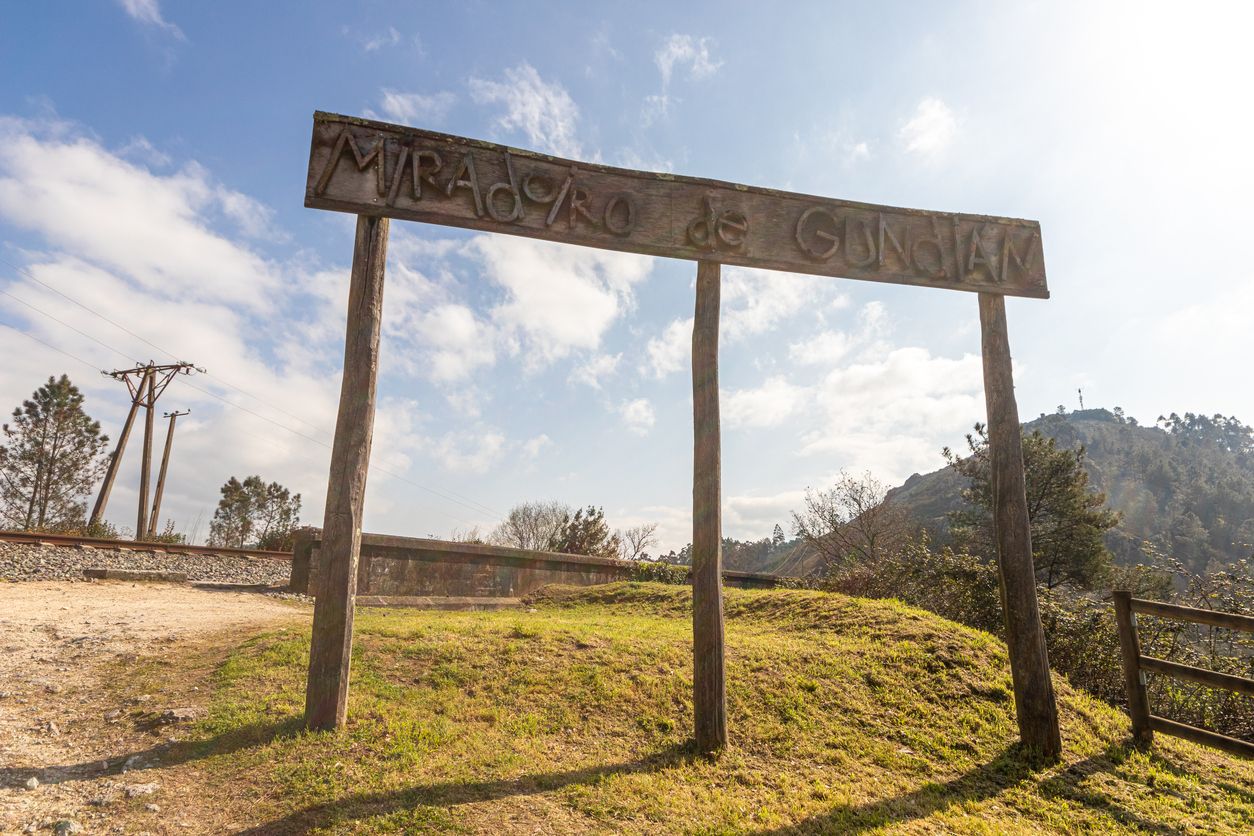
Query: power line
[[471, 504], [144, 340]]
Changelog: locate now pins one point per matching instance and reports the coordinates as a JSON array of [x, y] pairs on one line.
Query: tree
[[52, 455], [255, 514], [532, 525], [586, 533], [1068, 519], [777, 536], [852, 521], [636, 540]]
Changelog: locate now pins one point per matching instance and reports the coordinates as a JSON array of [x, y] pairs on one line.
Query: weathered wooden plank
[[326, 693], [1203, 676], [709, 686], [1133, 679], [1228, 620], [374, 168], [1207, 738], [1035, 706]]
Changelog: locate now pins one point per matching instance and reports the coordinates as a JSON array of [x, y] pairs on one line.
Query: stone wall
[[409, 566]]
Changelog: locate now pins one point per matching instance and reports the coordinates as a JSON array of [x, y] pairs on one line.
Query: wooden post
[[1035, 706], [165, 464], [97, 511], [709, 687], [1133, 676], [326, 693], [145, 470]]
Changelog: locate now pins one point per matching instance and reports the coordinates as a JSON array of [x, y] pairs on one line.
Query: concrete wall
[[412, 567]]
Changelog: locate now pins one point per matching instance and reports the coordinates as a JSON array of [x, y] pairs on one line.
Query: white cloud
[[892, 414], [595, 369], [154, 229], [671, 350], [558, 298], [544, 112], [416, 108], [755, 301], [637, 415], [389, 37], [826, 347], [458, 342], [752, 516], [677, 51], [148, 12], [685, 50], [930, 130], [469, 452], [532, 447], [769, 405]]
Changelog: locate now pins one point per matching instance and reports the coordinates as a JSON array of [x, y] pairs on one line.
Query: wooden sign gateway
[[379, 171], [372, 168]]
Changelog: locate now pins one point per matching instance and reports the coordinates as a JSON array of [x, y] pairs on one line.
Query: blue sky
[[152, 168]]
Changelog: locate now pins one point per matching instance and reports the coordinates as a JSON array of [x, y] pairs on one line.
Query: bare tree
[[635, 540], [852, 521], [532, 525], [466, 535]]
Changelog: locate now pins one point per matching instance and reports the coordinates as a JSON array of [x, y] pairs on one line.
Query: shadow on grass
[[363, 805], [1010, 768], [159, 756]]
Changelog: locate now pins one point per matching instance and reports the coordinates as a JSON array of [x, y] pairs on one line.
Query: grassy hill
[[846, 715]]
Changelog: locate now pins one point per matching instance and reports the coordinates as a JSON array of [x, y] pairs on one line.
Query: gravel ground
[[76, 753], [31, 562]]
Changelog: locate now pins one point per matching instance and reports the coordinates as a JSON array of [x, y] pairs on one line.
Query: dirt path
[[58, 722]]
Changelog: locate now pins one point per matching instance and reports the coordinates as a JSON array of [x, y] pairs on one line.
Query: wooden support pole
[[326, 692], [709, 686], [1133, 678], [145, 470], [165, 464], [97, 511], [1035, 705]]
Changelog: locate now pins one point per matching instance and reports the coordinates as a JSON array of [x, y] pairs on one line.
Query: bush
[[658, 572]]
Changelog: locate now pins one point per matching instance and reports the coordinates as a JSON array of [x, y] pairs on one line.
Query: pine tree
[[586, 533], [52, 455], [253, 513], [1068, 519]]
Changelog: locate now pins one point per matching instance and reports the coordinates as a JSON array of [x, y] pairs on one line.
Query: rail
[[69, 540], [1135, 665]]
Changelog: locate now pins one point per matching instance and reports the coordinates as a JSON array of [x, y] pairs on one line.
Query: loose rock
[[65, 827], [136, 790], [33, 562], [32, 783]]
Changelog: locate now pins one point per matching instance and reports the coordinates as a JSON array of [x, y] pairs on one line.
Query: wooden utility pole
[[165, 463], [326, 692], [102, 500], [146, 383], [1035, 707], [708, 684], [145, 469]]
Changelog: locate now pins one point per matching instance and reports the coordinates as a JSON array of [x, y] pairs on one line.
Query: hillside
[[1188, 489], [846, 715]]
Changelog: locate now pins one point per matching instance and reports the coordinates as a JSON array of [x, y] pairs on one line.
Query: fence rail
[[1135, 666]]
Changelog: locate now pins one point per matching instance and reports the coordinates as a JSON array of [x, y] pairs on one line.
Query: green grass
[[846, 715]]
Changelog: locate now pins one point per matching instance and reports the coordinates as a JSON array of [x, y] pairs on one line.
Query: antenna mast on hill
[[145, 383]]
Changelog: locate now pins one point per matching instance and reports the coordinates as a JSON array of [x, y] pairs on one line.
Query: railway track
[[70, 541]]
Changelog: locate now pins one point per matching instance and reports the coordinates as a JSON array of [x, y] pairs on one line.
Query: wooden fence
[[1135, 666]]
